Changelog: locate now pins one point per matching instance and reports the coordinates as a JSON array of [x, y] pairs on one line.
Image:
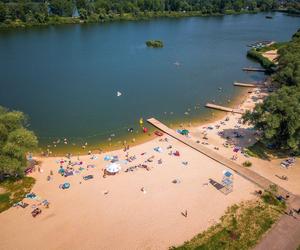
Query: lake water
[[66, 78]]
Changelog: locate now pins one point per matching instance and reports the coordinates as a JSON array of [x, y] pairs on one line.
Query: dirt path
[[285, 235]]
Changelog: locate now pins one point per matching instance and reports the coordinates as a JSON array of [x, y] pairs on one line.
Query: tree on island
[[15, 142], [155, 44]]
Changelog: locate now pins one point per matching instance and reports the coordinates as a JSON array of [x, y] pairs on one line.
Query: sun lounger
[[88, 177]]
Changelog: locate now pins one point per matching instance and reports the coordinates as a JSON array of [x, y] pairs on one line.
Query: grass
[[14, 191], [258, 150], [264, 62], [241, 227], [256, 54]]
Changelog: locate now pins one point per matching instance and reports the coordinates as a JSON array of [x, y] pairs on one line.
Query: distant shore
[[57, 20]]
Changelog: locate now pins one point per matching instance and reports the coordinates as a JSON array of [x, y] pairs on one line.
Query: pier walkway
[[254, 69], [249, 85], [285, 234], [248, 174], [222, 108]]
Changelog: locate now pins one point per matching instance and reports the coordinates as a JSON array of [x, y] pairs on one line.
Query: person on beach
[[185, 213]]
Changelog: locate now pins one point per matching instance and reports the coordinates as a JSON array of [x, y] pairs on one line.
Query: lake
[[66, 78]]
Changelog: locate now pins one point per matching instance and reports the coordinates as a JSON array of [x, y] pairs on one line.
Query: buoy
[[141, 121], [119, 93]]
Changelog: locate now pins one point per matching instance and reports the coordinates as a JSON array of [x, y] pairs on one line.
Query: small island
[[154, 44]]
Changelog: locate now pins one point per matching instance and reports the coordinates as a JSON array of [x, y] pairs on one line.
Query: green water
[[66, 78]]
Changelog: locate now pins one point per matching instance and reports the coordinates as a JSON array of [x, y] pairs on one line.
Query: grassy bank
[[264, 62], [241, 227], [12, 191], [256, 54]]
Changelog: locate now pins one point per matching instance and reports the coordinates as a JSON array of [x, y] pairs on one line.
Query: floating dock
[[248, 85], [254, 69], [248, 174], [222, 108]]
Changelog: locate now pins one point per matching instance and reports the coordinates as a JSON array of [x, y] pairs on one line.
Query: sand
[[84, 217], [271, 55], [269, 168]]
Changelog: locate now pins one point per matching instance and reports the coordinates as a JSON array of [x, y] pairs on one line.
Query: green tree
[[83, 14], [62, 7], [15, 142], [3, 12], [289, 63], [277, 119]]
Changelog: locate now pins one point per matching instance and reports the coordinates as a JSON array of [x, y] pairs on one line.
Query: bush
[[266, 63], [155, 44], [247, 164]]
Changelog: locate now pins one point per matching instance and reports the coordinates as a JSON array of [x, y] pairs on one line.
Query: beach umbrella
[[227, 173], [158, 149], [113, 168], [141, 121]]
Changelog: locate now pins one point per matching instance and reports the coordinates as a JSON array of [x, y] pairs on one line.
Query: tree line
[[14, 12], [15, 142], [278, 117]]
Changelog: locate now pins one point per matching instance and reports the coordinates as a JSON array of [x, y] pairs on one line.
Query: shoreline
[[101, 208], [138, 138], [55, 21]]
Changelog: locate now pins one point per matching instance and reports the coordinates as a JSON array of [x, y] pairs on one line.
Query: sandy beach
[[271, 55], [140, 209]]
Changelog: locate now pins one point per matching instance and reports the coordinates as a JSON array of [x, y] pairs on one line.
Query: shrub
[[247, 164], [155, 44], [266, 63]]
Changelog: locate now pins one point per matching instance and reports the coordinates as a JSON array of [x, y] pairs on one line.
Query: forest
[[277, 118], [26, 13]]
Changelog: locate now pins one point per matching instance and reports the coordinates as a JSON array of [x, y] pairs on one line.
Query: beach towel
[[158, 149]]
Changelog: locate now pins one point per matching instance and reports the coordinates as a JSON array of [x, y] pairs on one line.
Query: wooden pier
[[242, 171], [222, 108], [249, 85], [254, 69]]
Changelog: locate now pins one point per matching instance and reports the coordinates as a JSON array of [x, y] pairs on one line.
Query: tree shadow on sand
[[240, 137], [246, 139]]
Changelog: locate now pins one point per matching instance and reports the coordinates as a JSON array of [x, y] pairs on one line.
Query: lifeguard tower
[[227, 181]]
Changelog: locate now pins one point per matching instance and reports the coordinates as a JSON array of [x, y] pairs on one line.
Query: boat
[[269, 17]]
